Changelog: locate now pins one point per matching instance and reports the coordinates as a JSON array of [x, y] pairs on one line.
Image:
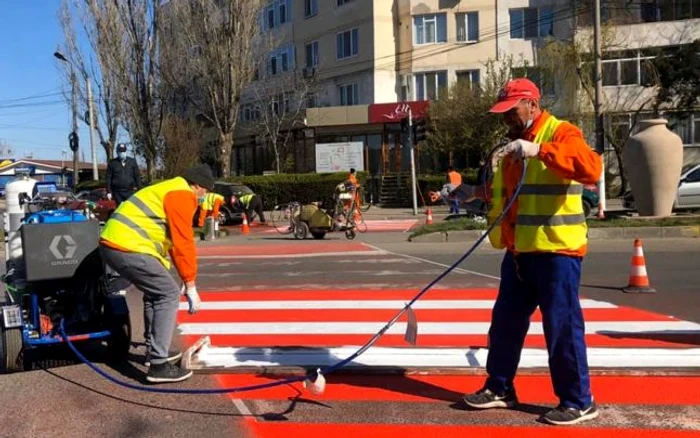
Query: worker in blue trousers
[[545, 237]]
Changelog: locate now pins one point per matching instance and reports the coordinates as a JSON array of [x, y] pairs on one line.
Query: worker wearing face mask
[[122, 176], [544, 235]]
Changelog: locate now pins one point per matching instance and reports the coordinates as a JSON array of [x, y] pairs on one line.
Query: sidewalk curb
[[692, 231]]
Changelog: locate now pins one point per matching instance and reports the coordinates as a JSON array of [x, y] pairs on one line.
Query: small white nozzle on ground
[[318, 386]]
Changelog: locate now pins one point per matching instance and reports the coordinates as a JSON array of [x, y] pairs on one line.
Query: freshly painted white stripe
[[231, 357], [426, 328], [457, 270], [294, 256], [364, 304]]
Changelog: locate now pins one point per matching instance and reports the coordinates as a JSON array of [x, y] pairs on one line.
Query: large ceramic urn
[[653, 160]]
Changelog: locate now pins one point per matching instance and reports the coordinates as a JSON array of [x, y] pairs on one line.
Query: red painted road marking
[[341, 430], [625, 390], [286, 249]]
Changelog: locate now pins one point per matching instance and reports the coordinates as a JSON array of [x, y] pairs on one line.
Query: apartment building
[[371, 60], [635, 33]]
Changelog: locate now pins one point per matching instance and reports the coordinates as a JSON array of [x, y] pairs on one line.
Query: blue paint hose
[[316, 374]]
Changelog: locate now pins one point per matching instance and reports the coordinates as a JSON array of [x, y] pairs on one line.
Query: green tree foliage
[[678, 75]]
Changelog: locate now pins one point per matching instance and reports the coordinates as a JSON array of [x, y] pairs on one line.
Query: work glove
[[192, 298], [109, 196], [522, 149]]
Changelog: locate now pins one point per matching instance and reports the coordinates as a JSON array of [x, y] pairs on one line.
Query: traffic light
[[404, 125], [73, 141], [419, 130]]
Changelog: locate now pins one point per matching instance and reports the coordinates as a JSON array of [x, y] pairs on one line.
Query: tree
[[183, 144], [279, 105], [678, 73], [107, 108], [459, 120], [219, 41]]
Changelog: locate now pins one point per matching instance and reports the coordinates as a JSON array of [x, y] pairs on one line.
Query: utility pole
[[91, 117], [413, 162], [599, 133], [74, 135]]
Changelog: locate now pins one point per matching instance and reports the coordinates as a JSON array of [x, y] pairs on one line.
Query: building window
[[541, 77], [276, 13], [343, 2], [531, 23], [468, 27], [311, 100], [472, 77], [281, 60], [349, 94], [429, 85], [626, 68], [310, 8], [312, 54], [347, 44], [430, 29]]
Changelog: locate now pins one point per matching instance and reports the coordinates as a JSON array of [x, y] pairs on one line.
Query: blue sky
[[34, 116]]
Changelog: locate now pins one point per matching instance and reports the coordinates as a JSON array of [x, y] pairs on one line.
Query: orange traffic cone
[[429, 216], [245, 229], [639, 281]]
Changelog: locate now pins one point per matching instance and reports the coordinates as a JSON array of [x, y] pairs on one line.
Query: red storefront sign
[[394, 112]]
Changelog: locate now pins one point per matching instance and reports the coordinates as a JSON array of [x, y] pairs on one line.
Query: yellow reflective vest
[[210, 200], [550, 214], [139, 223], [245, 199]]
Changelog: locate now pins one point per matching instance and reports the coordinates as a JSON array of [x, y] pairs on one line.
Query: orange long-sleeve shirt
[[568, 155], [179, 207]]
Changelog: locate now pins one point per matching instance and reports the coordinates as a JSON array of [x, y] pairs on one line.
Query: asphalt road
[[72, 400]]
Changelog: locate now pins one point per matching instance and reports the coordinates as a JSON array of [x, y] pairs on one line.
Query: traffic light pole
[[74, 108], [413, 162]]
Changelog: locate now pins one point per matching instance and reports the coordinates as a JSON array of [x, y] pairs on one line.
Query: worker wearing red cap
[[545, 238]]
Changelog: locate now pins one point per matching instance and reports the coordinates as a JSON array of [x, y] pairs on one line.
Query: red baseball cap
[[513, 92]]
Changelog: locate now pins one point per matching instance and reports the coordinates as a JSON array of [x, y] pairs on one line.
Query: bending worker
[[545, 237], [211, 204], [153, 223], [250, 204]]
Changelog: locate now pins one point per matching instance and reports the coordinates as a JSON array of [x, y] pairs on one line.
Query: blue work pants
[[550, 281]]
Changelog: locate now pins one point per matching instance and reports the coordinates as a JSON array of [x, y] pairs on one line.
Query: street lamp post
[[91, 119]]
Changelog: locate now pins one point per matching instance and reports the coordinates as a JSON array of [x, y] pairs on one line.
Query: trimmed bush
[[302, 187], [89, 185]]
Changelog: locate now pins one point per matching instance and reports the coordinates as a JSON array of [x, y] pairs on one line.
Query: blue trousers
[[550, 281]]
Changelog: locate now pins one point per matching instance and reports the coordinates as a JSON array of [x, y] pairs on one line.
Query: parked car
[[230, 213], [589, 198], [104, 207], [688, 195]]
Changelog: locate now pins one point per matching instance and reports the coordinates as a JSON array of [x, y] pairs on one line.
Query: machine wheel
[[119, 342], [587, 207], [301, 230], [12, 357], [350, 234], [318, 235]]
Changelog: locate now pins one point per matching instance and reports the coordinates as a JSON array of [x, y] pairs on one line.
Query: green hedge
[[89, 185], [302, 187]]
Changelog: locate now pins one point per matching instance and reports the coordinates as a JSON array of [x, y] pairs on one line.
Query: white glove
[[522, 149], [109, 196], [192, 299]]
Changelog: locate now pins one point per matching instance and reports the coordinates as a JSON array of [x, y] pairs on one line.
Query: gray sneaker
[[167, 373], [563, 416], [487, 399]]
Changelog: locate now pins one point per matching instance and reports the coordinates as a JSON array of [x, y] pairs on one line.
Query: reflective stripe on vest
[[245, 199], [139, 223], [550, 211], [210, 200]]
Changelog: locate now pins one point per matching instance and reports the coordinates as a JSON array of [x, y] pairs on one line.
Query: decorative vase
[[653, 160]]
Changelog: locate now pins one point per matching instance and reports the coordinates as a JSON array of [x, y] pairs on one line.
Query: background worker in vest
[[453, 180], [211, 204], [251, 205], [122, 176], [153, 223], [545, 237], [352, 180]]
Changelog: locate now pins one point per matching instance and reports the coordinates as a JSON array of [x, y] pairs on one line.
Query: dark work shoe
[[167, 373], [563, 416], [486, 399], [173, 357]]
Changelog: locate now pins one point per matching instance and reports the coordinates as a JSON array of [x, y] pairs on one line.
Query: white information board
[[340, 157]]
